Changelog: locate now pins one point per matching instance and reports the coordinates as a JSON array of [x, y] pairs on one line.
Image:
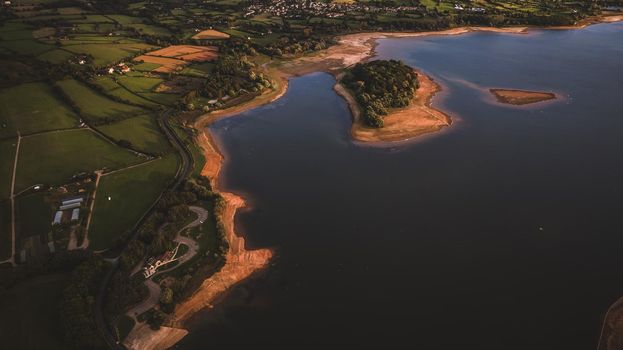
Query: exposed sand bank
[[521, 97], [400, 124], [144, 338]]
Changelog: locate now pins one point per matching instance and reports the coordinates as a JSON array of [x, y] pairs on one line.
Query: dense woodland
[[379, 85]]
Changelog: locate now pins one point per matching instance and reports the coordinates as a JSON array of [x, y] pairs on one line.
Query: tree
[[166, 297]]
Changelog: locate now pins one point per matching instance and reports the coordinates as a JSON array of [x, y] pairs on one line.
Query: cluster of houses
[[68, 211], [153, 264], [290, 9], [119, 68], [460, 7]]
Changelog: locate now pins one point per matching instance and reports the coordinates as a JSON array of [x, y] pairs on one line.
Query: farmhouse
[[57, 217], [156, 262], [69, 206], [75, 214], [72, 201]]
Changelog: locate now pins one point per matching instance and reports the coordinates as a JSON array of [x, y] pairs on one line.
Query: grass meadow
[[142, 131], [33, 107], [66, 154], [132, 192]]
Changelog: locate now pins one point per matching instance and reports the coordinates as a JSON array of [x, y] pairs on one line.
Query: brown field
[[200, 56], [174, 57], [167, 64], [211, 34], [521, 97], [181, 50]]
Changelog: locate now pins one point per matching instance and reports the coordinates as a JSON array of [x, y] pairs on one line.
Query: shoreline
[[350, 49], [401, 124]]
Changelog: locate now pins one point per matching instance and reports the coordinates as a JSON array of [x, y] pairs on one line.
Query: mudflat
[[521, 97]]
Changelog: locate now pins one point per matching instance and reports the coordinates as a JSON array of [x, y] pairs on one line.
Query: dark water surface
[[502, 233]]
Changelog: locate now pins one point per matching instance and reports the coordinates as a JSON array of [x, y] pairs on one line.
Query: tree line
[[379, 85]]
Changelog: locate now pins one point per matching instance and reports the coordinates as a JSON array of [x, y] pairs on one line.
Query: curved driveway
[[193, 248]]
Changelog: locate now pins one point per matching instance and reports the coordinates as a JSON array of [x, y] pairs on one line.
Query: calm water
[[502, 233]]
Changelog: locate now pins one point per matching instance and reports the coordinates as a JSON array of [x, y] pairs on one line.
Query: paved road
[[187, 159], [12, 258], [193, 248]]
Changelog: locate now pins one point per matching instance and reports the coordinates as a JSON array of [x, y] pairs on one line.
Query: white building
[[57, 217], [75, 214]]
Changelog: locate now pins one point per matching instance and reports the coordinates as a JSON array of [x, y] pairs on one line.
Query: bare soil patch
[[211, 34], [521, 97]]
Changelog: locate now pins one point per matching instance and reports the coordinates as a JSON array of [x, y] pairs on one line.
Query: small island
[[389, 101], [521, 97]]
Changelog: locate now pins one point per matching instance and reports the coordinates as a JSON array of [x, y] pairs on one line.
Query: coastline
[[350, 49]]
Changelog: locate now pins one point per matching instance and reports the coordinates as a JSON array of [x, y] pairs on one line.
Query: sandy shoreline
[[521, 97], [400, 125]]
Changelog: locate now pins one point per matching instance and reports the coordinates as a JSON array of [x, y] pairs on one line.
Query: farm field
[[114, 89], [66, 154], [26, 46], [55, 56], [165, 99], [210, 34], [33, 107], [31, 307], [142, 131], [132, 192], [174, 57], [34, 215], [109, 53], [139, 83], [198, 69], [94, 106]]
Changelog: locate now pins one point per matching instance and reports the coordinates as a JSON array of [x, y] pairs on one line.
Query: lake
[[502, 232]]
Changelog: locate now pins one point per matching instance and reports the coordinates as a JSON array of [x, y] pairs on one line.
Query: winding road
[[193, 249]]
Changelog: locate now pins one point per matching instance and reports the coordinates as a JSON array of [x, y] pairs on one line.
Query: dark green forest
[[379, 85]]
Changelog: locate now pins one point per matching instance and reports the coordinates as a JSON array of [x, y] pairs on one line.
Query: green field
[[131, 193], [15, 30], [149, 29], [112, 88], [124, 20], [96, 107], [66, 154], [30, 314], [26, 47], [146, 67], [140, 83], [34, 215], [198, 69], [142, 131], [165, 99], [109, 53], [56, 56], [33, 107], [7, 154]]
